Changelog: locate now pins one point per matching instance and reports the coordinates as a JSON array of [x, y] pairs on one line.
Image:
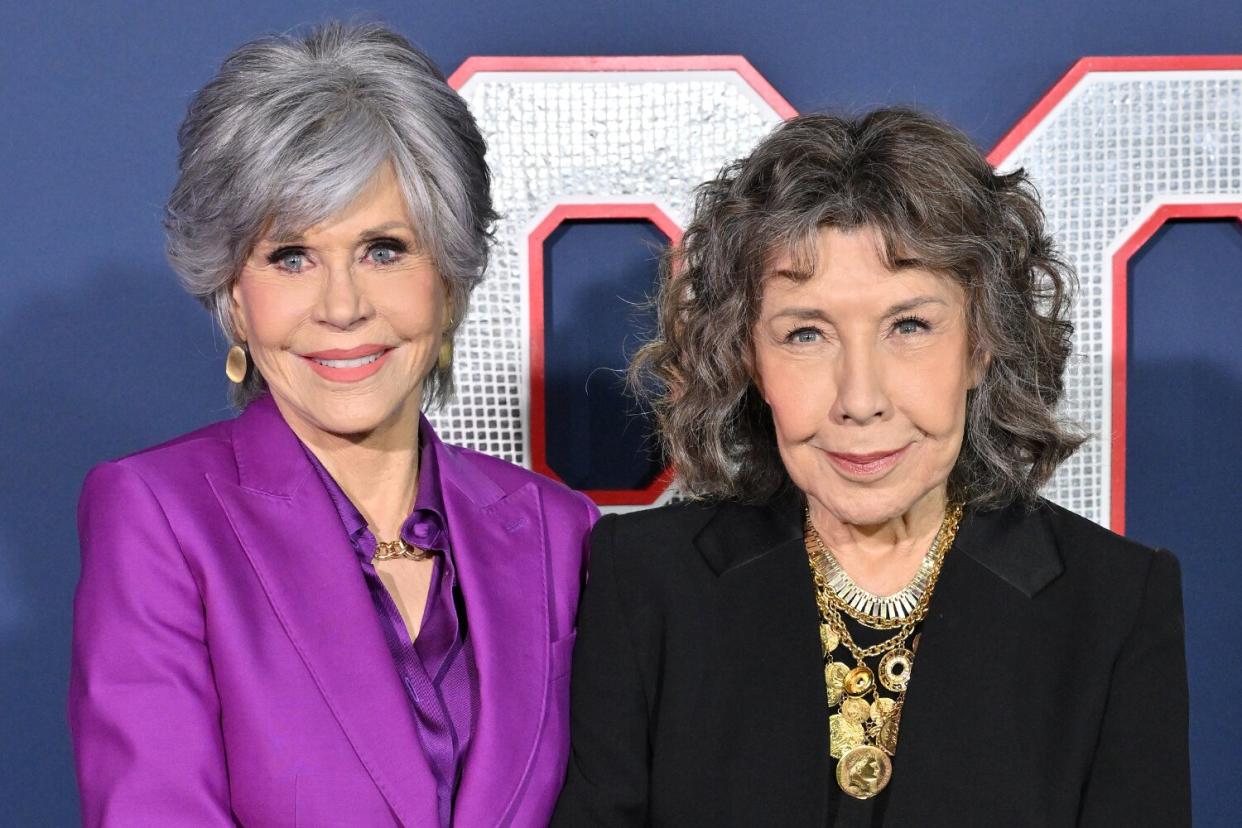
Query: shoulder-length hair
[[932, 196], [288, 133]]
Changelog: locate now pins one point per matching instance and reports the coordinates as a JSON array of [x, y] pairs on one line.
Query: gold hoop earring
[[236, 365]]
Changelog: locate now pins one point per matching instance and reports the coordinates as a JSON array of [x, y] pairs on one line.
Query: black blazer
[[1049, 687]]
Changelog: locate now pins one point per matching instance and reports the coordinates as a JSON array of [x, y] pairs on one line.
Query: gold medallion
[[895, 669], [834, 678], [864, 771], [843, 735], [855, 709], [887, 737], [829, 638], [881, 708], [859, 681]]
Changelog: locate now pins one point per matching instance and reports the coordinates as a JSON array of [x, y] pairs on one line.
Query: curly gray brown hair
[[932, 196], [292, 128]]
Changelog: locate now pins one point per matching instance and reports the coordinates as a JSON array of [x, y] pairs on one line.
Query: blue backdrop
[[104, 354]]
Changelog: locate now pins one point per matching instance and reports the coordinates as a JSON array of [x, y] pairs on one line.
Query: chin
[[865, 506], [347, 416]]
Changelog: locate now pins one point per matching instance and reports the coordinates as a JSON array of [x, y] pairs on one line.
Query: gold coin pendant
[[881, 708], [864, 771], [895, 669], [828, 638], [859, 681], [855, 709], [834, 679], [843, 735], [886, 739]]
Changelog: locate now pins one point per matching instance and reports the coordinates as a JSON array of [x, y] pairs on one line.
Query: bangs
[[321, 171]]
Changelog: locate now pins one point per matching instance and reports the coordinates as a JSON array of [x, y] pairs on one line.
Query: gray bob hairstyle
[[292, 128], [934, 199]]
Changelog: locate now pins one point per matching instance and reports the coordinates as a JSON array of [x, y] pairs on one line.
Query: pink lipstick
[[348, 364], [872, 464]]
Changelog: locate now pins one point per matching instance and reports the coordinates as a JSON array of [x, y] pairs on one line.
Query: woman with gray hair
[[317, 613], [868, 616]]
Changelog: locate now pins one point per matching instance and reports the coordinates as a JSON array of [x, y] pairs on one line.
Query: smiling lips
[[348, 365], [866, 465]]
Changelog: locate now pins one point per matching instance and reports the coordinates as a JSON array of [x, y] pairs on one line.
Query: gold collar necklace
[[862, 733], [895, 607]]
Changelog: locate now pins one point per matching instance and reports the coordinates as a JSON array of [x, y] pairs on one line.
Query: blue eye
[[382, 255], [803, 336], [385, 251], [910, 325], [292, 259]]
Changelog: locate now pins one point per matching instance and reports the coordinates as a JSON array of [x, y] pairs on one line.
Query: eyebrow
[[381, 229], [911, 304], [893, 310]]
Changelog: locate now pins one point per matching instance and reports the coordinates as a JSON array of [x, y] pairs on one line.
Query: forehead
[[848, 267]]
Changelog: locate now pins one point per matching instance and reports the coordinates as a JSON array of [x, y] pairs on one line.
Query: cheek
[[411, 306], [934, 398], [796, 396], [271, 312]]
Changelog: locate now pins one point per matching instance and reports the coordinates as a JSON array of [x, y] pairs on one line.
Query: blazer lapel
[[771, 662], [500, 549], [962, 684], [292, 536]]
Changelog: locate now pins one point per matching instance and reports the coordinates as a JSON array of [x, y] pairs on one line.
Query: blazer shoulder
[[1085, 540], [1115, 573], [674, 525], [179, 463], [653, 543], [510, 477]]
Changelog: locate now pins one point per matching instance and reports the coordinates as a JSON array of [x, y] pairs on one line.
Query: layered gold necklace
[[864, 721]]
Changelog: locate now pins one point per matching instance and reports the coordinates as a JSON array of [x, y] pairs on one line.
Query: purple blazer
[[229, 667]]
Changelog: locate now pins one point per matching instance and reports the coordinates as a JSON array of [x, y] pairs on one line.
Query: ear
[[237, 313]]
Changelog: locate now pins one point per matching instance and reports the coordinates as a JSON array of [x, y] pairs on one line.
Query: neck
[[882, 557], [377, 470]]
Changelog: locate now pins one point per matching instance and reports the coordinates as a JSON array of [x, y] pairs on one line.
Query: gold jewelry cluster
[[864, 722], [397, 550]]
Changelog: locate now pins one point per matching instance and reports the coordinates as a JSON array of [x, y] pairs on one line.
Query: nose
[[861, 396], [343, 301]]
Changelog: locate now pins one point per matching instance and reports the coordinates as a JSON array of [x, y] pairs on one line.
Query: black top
[[1049, 686]]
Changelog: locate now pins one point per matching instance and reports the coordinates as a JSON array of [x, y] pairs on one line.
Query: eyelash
[[923, 325], [791, 337], [395, 245]]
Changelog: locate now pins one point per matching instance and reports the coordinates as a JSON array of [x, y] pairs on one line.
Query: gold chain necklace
[[863, 735], [398, 549]]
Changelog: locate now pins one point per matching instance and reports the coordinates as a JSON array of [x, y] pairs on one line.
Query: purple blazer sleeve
[[143, 708]]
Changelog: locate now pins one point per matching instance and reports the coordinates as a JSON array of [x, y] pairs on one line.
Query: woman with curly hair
[[868, 615]]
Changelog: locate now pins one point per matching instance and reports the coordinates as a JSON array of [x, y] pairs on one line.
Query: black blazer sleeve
[[1141, 771], [607, 777]]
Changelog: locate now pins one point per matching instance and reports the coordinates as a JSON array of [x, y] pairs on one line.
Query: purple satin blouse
[[438, 669]]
